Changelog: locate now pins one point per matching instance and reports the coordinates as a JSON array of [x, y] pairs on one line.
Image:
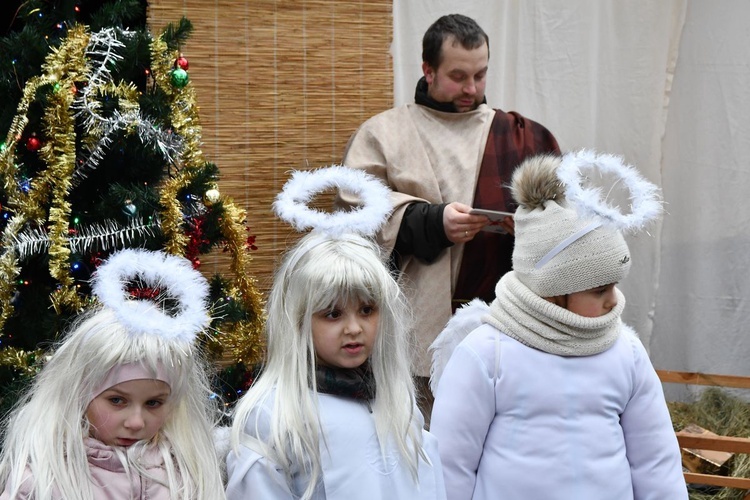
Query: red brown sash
[[489, 255]]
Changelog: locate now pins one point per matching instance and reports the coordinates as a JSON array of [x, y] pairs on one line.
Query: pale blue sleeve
[[650, 441], [435, 480], [463, 411], [251, 472], [251, 475]]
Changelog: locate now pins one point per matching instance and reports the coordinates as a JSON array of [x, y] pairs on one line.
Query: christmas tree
[[101, 151]]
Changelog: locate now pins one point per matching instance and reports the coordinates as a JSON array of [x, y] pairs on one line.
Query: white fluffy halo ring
[[645, 201], [292, 203], [174, 276]]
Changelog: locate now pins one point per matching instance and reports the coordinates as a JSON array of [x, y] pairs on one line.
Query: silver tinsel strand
[[101, 54], [106, 236]]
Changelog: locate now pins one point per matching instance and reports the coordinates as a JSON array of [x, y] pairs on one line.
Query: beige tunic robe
[[424, 156]]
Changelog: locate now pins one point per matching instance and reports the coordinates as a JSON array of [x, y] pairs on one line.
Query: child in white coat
[[550, 395], [122, 407], [333, 413]]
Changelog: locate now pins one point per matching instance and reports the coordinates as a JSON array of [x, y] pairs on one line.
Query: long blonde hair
[[315, 274], [44, 433]]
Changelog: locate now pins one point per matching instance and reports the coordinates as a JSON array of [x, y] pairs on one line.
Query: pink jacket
[[110, 481]]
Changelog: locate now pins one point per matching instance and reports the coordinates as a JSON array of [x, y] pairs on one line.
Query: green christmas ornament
[[179, 77]]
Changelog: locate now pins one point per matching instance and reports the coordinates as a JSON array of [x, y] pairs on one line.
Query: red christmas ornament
[[196, 240], [250, 242], [144, 293], [96, 259], [182, 63], [33, 143]]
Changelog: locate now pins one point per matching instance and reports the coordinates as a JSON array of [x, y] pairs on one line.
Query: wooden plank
[[741, 483], [718, 443], [695, 378]]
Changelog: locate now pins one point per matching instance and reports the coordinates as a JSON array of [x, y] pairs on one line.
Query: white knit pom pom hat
[[567, 239]]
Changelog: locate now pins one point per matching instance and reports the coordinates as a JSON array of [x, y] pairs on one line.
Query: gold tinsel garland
[[59, 153], [23, 208], [17, 358], [245, 340], [184, 118], [63, 67], [68, 63]]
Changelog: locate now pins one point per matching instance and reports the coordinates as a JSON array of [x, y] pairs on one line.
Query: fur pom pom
[[535, 181], [466, 319]]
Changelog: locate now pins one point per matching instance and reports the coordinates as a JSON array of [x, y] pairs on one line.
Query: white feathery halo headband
[[645, 200], [292, 203], [173, 276]]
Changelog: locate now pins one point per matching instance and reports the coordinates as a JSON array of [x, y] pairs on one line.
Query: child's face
[[344, 335], [594, 302], [129, 411]]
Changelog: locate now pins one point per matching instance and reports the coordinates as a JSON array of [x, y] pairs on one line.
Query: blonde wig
[[44, 434], [319, 272]]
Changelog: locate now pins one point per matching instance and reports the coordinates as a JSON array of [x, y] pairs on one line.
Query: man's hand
[[460, 226], [509, 225]]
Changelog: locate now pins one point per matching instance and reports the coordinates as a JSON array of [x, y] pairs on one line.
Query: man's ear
[[429, 73]]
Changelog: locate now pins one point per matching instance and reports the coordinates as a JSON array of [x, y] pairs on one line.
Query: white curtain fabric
[[666, 85]]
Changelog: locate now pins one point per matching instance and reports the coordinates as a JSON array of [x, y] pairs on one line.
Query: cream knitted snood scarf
[[521, 314]]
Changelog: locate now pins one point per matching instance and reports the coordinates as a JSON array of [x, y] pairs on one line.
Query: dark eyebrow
[[457, 71]]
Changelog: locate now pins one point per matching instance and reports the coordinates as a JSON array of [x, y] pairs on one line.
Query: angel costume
[[353, 466], [553, 415]]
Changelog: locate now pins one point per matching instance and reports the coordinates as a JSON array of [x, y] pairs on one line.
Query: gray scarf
[[521, 314]]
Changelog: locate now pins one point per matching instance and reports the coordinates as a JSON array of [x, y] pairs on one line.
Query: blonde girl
[[121, 409], [333, 413]]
